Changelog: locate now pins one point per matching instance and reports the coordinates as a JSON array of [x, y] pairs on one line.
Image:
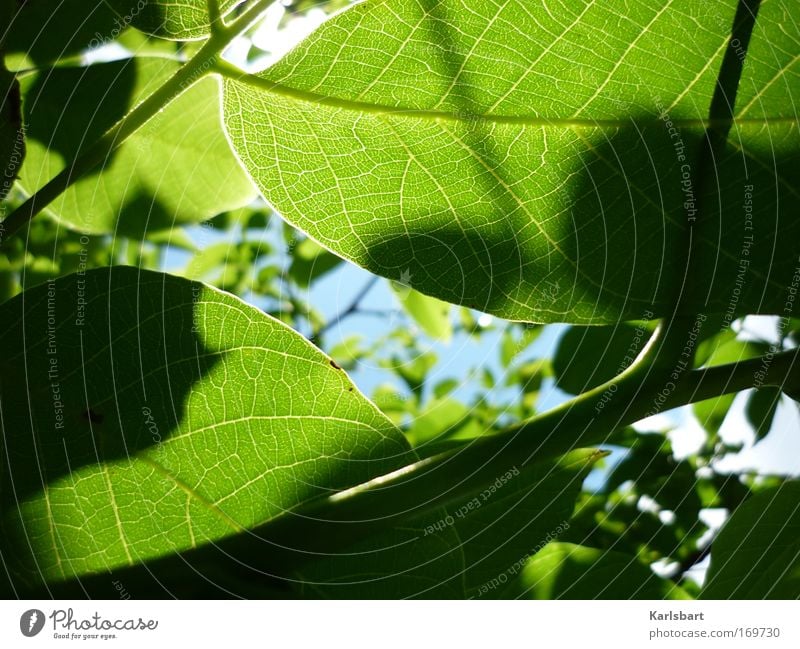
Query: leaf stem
[[214, 15], [263, 82], [201, 64]]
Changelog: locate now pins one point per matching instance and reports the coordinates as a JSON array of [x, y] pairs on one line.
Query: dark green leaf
[[589, 356], [761, 408], [51, 30], [757, 552], [719, 350], [47, 31]]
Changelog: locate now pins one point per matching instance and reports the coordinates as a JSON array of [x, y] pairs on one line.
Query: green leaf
[[162, 414], [589, 356], [414, 371], [12, 135], [432, 315], [508, 166], [721, 349], [348, 352], [141, 44], [475, 548], [510, 345], [616, 522], [711, 413], [310, 261], [445, 387], [440, 419], [757, 552], [716, 347], [761, 408], [391, 402], [178, 168], [568, 571], [211, 259]]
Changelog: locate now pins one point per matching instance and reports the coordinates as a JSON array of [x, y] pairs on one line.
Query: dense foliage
[[578, 211]]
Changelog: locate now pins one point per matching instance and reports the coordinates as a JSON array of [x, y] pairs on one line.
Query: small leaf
[[651, 469], [512, 345], [348, 352], [719, 350], [589, 356], [310, 261], [47, 31], [432, 315], [414, 371], [438, 420], [209, 260], [567, 571], [443, 388], [761, 408], [711, 413]]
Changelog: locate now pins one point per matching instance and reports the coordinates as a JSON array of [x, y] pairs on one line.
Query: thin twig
[[350, 310]]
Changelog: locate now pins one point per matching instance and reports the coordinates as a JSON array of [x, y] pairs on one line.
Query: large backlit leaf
[[757, 553], [178, 168], [144, 414], [518, 157]]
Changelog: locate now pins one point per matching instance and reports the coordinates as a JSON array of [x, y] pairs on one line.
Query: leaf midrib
[[276, 88]]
